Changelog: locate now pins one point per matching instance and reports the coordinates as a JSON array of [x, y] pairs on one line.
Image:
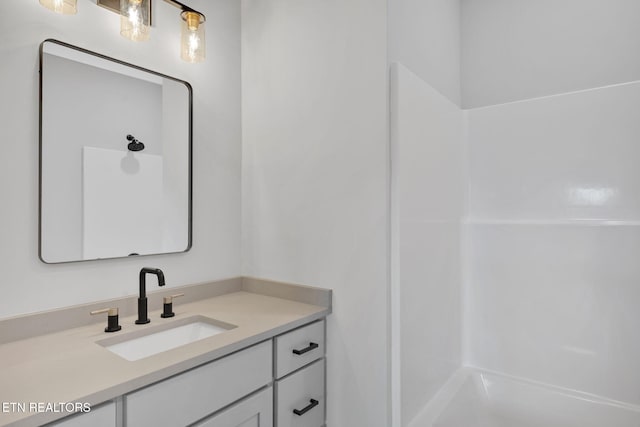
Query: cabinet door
[[254, 411], [101, 416]]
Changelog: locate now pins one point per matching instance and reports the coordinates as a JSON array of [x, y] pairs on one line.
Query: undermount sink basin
[[140, 344]]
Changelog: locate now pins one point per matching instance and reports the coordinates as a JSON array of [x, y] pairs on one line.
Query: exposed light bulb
[[57, 6], [193, 41], [65, 7], [194, 44], [134, 19]]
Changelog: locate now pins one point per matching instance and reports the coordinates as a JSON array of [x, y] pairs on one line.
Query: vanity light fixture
[[64, 7], [135, 24]]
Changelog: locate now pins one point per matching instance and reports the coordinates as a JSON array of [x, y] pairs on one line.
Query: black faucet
[[142, 300]]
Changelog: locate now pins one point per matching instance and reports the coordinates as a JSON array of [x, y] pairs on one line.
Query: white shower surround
[[478, 398], [427, 196], [549, 236], [554, 204]]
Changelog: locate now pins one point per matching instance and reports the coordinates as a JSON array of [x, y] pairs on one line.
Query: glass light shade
[[193, 43], [65, 7], [134, 19]]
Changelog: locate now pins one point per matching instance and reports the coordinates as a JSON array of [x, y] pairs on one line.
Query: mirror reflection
[[115, 158]]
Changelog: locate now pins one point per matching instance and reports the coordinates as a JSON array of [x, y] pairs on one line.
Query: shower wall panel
[[428, 188], [554, 220]]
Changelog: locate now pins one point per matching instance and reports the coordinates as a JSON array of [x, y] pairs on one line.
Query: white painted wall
[[28, 285], [554, 213], [520, 49], [424, 36], [428, 162], [315, 173]]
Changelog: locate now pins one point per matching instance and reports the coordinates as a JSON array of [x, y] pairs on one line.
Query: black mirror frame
[[190, 126]]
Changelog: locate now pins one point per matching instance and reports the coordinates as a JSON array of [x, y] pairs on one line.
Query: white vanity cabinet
[[276, 383], [99, 416], [287, 393]]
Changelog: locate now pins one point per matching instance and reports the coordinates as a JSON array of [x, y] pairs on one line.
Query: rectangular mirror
[[115, 158]]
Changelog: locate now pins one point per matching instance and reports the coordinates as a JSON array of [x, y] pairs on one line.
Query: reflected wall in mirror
[[115, 158]]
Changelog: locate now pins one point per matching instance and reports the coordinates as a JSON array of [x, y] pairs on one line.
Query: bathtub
[[475, 398]]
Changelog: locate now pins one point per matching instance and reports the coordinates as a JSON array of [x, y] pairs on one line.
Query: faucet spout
[[142, 299]]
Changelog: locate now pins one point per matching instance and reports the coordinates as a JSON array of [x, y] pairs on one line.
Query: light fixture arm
[[185, 8]]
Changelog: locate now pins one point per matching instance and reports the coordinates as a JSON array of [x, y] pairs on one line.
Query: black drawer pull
[[313, 403], [312, 346]]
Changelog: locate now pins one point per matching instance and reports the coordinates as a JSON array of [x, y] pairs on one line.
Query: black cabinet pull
[[313, 403], [312, 346]]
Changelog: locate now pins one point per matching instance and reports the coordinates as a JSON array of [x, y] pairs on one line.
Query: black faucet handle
[[112, 318], [167, 306]]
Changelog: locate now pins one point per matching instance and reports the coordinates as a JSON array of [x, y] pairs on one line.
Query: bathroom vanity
[[266, 369]]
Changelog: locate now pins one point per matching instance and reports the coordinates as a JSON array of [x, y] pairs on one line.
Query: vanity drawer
[[298, 348], [300, 397], [189, 397]]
